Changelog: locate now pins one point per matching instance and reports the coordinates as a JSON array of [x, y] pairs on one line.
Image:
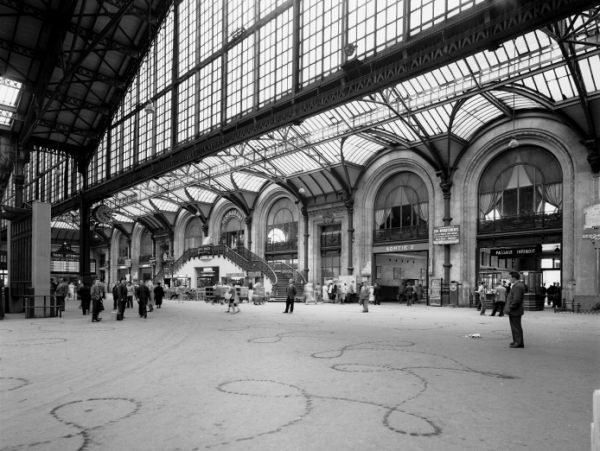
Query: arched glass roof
[[217, 79]]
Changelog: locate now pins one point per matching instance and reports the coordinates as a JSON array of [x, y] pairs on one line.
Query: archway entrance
[[520, 224]]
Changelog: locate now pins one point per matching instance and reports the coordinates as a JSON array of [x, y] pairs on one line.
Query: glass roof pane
[[9, 92], [9, 97], [201, 195], [119, 217], [400, 129], [222, 182], [295, 164], [358, 150], [62, 224], [248, 182], [165, 204], [330, 151], [590, 70], [516, 101], [476, 112], [133, 211]]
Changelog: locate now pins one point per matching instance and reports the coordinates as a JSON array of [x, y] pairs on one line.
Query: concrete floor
[[328, 377]]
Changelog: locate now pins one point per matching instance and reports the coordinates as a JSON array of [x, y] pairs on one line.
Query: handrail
[[254, 262], [297, 275]]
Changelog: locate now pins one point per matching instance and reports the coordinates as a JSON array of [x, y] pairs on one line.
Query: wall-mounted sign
[[591, 217], [514, 252], [446, 234], [400, 248], [591, 234]]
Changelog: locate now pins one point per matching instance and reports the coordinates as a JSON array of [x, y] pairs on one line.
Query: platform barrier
[[41, 307]]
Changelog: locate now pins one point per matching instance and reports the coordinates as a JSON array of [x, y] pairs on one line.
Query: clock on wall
[[102, 214]]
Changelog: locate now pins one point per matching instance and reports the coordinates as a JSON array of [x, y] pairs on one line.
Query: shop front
[[401, 271]]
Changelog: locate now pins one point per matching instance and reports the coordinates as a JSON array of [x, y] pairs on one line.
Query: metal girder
[[484, 27], [30, 124], [105, 42], [52, 57]]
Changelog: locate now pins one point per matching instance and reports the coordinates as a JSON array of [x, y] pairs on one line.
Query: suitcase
[[119, 316]]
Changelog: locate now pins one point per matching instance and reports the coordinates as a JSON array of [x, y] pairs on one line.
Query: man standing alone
[[515, 309], [291, 296]]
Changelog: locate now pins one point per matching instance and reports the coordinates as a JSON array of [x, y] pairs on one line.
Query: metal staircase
[[240, 256], [284, 274]]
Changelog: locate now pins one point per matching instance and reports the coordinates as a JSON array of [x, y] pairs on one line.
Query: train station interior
[[424, 149]]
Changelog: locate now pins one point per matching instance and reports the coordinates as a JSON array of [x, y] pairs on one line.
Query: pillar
[[41, 237], [306, 237], [350, 209]]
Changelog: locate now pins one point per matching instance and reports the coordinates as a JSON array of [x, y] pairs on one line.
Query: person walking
[[236, 298], [61, 293], [482, 302], [515, 309], [408, 294], [85, 296], [159, 294], [151, 297], [499, 299], [363, 297], [97, 293], [143, 295], [291, 296], [120, 293], [130, 294], [377, 293]]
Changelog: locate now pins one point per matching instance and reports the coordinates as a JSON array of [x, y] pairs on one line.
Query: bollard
[[595, 426], [578, 307]]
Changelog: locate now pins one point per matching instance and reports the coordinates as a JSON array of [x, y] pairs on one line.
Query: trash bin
[[454, 290]]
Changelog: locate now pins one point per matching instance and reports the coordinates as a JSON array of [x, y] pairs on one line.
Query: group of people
[[145, 294], [92, 294], [507, 298]]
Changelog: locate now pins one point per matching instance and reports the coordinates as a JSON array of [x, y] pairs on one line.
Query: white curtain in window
[[486, 203], [424, 211], [381, 216], [554, 194]]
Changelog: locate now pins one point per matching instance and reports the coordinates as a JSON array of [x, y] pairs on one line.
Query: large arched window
[[401, 209], [193, 234], [146, 245], [123, 249], [282, 227], [232, 229], [519, 184]]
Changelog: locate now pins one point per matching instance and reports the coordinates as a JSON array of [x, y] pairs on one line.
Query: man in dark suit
[[291, 296], [515, 309]]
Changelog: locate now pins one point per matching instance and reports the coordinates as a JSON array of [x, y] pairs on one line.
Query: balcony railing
[[522, 222], [401, 234], [284, 246]]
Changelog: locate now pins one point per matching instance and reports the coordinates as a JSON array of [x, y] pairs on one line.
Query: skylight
[[9, 97]]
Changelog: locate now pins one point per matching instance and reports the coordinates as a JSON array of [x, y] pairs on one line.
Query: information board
[[435, 292], [446, 234]]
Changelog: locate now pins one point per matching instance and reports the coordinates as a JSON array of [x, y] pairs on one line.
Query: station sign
[[591, 217], [446, 234], [400, 248], [514, 252], [591, 234]]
